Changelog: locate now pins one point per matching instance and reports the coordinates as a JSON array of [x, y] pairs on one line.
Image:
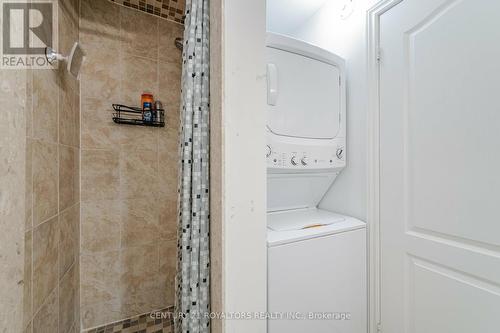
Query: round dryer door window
[[303, 96]]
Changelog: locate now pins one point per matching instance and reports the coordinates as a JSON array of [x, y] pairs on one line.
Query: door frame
[[373, 159]]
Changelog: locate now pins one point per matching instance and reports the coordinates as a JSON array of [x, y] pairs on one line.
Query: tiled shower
[[101, 198], [128, 173]]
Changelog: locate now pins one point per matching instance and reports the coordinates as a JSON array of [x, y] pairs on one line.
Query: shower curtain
[[193, 264]]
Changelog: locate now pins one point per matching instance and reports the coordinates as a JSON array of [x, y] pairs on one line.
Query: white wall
[[284, 16], [347, 39], [244, 237]]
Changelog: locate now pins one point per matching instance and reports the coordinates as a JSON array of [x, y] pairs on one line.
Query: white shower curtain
[[193, 267]]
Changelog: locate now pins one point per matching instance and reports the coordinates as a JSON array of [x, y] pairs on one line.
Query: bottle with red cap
[[147, 107]]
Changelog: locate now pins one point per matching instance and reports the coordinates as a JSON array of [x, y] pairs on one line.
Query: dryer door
[[303, 96]]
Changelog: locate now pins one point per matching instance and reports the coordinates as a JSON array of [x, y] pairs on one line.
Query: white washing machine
[[316, 272], [317, 278]]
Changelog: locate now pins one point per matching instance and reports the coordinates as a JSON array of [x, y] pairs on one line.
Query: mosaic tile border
[[172, 10], [161, 321]]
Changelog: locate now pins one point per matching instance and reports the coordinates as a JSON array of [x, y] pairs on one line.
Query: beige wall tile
[[69, 221], [139, 33], [100, 175], [29, 329], [169, 176], [45, 179], [149, 294], [46, 320], [28, 191], [71, 8], [168, 168], [138, 137], [100, 74], [169, 138], [45, 261], [77, 324], [138, 174], [28, 110], [168, 256], [100, 226], [100, 39], [67, 299], [99, 19], [98, 129], [138, 264], [139, 221], [12, 220], [68, 84], [168, 216], [138, 75], [27, 295], [100, 289], [100, 278], [102, 312], [69, 176], [69, 122], [169, 79], [67, 26], [52, 185], [168, 32], [78, 123], [45, 95]]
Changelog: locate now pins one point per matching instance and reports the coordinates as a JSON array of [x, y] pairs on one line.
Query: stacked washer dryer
[[316, 259]]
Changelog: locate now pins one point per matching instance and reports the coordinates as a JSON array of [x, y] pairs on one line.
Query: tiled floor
[[146, 323]]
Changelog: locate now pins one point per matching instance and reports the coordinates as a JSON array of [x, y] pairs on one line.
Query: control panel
[[291, 156]]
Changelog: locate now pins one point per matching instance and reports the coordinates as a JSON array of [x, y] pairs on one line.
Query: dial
[[304, 160], [293, 160], [268, 151]]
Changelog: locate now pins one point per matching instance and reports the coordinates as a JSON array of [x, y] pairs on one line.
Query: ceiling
[[285, 16]]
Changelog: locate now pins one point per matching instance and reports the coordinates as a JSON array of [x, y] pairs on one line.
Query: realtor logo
[[28, 28]]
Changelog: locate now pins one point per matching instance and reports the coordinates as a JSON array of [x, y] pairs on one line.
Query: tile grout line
[[63, 276], [32, 185], [121, 55], [45, 302], [78, 288], [58, 224]]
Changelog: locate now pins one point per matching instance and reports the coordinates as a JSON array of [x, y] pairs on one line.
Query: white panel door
[[440, 167]]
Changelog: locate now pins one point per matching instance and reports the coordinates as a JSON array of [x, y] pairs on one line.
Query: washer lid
[[287, 191], [297, 225], [301, 219]]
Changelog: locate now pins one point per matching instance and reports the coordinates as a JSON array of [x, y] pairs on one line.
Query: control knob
[[268, 151], [293, 160], [303, 160]]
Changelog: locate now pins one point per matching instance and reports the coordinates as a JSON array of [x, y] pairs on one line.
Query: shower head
[[74, 60], [179, 43]]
